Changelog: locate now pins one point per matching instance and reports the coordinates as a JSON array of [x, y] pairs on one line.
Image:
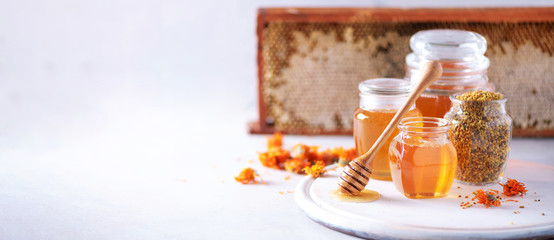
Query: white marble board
[[395, 216]]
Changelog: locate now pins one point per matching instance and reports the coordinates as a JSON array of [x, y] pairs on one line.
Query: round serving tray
[[395, 216]]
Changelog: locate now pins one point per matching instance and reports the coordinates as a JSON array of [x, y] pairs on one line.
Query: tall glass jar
[[422, 158], [380, 99], [481, 134], [461, 54]]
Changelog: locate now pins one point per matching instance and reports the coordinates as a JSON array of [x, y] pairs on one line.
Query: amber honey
[[433, 105], [436, 102], [380, 99], [364, 196], [461, 54], [422, 158], [368, 126]]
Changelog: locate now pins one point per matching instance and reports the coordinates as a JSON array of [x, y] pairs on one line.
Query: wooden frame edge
[[492, 14]]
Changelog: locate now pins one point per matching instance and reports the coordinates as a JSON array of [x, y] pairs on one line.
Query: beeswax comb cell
[[310, 61]]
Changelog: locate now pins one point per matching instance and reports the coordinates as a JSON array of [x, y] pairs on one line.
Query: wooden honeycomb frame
[[310, 61]]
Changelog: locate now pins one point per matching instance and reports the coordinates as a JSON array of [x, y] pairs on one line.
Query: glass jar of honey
[[461, 54], [422, 158], [380, 99]]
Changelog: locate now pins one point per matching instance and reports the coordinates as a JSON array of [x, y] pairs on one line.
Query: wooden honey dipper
[[355, 175]]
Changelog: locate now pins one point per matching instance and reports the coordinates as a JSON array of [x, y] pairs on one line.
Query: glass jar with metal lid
[[461, 54], [380, 99]]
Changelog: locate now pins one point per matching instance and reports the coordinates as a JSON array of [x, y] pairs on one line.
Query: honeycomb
[[311, 70]]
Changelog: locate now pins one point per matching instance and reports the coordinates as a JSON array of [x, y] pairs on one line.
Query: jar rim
[[454, 99], [385, 86], [424, 125]]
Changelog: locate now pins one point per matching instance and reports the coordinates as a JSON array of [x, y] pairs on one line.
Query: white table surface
[[147, 174]]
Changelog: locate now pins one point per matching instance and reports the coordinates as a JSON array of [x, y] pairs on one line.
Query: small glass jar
[[380, 99], [481, 134], [422, 158], [461, 54]]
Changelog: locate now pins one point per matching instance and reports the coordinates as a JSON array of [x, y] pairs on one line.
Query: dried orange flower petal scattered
[[296, 165], [247, 175], [512, 187], [488, 198], [301, 155], [275, 141], [275, 157], [315, 170]]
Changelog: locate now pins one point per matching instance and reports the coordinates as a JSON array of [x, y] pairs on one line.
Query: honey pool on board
[[421, 168], [368, 126], [365, 196]]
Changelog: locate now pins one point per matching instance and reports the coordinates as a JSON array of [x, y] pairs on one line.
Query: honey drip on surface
[[365, 196], [368, 126]]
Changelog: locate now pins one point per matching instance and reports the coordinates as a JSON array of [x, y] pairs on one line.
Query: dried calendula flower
[[315, 170], [247, 175], [305, 152], [296, 165], [512, 187], [276, 140], [347, 155], [301, 155], [338, 154], [330, 155], [274, 158], [488, 198]]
